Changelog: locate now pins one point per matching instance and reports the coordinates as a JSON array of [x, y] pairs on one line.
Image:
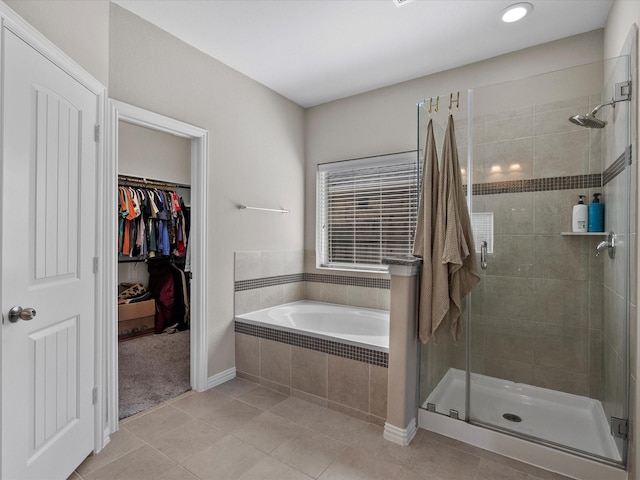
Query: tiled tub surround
[[350, 386], [368, 290], [266, 279], [342, 377]]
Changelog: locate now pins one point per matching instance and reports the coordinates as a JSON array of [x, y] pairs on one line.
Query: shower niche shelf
[[583, 234]]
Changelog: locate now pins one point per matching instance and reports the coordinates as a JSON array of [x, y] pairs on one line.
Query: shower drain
[[512, 417]]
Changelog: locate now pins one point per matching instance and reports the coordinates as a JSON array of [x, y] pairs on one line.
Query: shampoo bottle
[[596, 214], [580, 214]]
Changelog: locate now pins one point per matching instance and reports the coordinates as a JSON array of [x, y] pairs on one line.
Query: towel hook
[[432, 107], [452, 101]]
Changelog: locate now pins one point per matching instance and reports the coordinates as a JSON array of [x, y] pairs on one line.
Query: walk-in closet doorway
[[122, 112]]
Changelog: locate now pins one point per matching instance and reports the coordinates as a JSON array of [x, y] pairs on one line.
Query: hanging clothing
[[454, 268], [187, 261], [151, 223], [168, 286]]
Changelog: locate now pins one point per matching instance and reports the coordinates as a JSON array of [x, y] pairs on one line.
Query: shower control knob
[[608, 244]]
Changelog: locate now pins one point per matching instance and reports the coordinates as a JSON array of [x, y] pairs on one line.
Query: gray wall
[[256, 151], [77, 27], [154, 155]]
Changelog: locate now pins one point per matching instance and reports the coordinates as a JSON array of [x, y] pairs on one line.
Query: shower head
[[589, 120]]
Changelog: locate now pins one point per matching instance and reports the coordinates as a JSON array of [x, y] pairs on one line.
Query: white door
[[48, 244]]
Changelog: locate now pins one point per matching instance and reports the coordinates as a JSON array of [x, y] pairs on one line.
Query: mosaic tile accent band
[[616, 167], [346, 280], [352, 352], [592, 180], [242, 285]]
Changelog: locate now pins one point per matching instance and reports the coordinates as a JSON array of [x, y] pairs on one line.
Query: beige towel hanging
[[458, 251], [444, 236], [425, 240]]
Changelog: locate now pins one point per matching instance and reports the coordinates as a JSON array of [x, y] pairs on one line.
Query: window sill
[[383, 270]]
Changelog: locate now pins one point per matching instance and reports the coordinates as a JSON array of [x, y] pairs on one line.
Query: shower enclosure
[[545, 351]]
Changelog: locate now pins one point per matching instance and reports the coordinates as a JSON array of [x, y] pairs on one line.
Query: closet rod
[[145, 182]]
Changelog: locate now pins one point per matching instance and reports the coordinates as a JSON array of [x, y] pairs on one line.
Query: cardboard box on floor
[[139, 315]]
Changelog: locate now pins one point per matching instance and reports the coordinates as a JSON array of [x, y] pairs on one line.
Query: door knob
[[19, 313]]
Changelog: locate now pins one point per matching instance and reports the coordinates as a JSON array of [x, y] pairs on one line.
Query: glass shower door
[[443, 362], [548, 323]]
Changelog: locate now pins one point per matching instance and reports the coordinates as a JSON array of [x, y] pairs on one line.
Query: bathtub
[[361, 327]]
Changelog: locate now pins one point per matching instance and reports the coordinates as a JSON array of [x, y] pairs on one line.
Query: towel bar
[[279, 210]]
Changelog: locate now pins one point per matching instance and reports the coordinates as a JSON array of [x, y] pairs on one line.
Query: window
[[366, 210]]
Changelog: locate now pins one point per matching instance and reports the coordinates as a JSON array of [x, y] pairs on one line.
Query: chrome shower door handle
[[483, 255]]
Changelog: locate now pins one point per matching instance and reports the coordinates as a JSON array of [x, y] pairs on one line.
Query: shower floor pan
[[562, 418]]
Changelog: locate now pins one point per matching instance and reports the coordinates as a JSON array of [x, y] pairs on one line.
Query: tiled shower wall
[[538, 310], [345, 379], [537, 313]]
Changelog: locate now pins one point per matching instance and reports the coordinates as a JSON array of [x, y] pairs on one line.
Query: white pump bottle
[[580, 220]]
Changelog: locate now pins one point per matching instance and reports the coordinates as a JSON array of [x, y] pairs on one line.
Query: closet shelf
[[131, 260], [170, 258], [130, 181]]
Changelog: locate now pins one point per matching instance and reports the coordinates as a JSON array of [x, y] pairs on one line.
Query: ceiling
[[315, 51]]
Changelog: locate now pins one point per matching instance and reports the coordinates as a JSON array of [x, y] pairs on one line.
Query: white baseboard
[[401, 436], [220, 378], [106, 438]]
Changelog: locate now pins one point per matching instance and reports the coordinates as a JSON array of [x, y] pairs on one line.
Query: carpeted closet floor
[[152, 370]]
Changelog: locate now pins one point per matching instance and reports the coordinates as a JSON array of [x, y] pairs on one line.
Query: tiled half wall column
[[402, 408]]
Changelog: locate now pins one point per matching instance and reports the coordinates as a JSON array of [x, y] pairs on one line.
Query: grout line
[[369, 395], [326, 377]]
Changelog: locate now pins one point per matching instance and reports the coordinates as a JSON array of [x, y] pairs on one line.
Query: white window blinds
[[367, 210]]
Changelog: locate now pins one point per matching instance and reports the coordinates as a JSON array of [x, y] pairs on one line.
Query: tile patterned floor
[[240, 430]]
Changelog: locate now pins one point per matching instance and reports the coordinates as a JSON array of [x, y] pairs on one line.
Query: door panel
[[53, 381], [48, 244], [55, 177]]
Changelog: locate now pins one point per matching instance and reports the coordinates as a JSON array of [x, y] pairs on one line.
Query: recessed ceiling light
[[400, 3], [516, 12]]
